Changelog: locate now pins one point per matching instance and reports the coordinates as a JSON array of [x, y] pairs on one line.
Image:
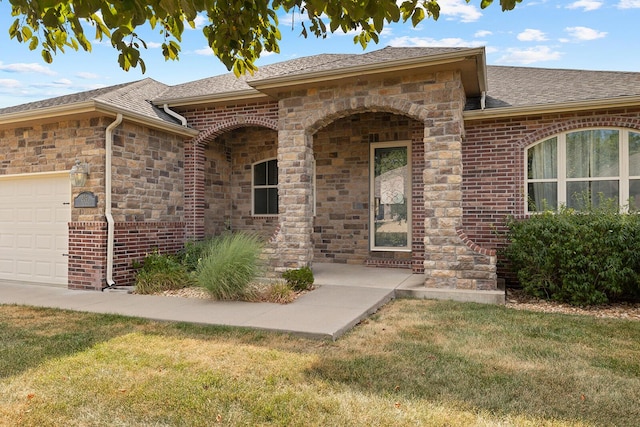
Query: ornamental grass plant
[[229, 265]]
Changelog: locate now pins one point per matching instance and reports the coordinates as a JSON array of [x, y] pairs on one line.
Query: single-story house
[[401, 157]]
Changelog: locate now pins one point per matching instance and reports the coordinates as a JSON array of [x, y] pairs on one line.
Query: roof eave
[[597, 104], [210, 98], [142, 119], [368, 69], [93, 106]]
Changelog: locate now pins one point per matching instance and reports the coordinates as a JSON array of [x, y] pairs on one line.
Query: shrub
[[583, 258], [299, 279], [160, 272], [192, 253], [229, 264]]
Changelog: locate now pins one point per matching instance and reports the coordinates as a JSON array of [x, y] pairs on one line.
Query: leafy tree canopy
[[237, 31]]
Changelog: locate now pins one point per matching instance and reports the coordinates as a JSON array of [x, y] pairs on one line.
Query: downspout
[[183, 122], [107, 209], [169, 111], [483, 100]]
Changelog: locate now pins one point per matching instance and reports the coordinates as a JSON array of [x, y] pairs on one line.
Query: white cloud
[[459, 10], [199, 22], [629, 4], [153, 45], [586, 5], [60, 83], [406, 41], [205, 51], [86, 75], [21, 67], [529, 56], [531, 35], [9, 84], [584, 33], [482, 33]]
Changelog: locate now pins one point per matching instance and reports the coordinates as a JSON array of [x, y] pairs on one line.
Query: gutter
[[572, 106], [107, 209]]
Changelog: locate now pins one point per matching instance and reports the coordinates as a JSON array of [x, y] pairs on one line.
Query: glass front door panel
[[391, 197]]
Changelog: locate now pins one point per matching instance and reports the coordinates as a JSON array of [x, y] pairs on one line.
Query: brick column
[[194, 158], [87, 255]]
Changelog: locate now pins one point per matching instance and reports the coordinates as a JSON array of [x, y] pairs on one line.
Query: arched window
[[574, 167], [265, 187]]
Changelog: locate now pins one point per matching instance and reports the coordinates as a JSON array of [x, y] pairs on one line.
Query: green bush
[[582, 258], [160, 272], [230, 263], [192, 253], [299, 279]]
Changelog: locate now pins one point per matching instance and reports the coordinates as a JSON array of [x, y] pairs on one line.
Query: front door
[[390, 198]]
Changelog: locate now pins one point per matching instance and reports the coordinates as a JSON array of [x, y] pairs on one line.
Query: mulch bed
[[518, 300]]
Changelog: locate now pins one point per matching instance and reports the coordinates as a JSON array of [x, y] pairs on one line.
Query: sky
[[576, 34]]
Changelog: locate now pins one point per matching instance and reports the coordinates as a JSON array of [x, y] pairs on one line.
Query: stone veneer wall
[[148, 204], [342, 153], [493, 158], [452, 260]]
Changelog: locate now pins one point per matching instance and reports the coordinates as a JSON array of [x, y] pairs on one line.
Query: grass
[[413, 363]]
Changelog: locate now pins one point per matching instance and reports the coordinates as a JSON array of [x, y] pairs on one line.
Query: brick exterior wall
[[134, 240], [87, 255], [493, 157]]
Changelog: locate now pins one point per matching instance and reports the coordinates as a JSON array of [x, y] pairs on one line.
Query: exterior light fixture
[[79, 173]]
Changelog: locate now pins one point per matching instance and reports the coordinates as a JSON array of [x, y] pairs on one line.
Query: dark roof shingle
[[530, 87]]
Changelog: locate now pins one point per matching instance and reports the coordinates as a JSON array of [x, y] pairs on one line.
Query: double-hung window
[[584, 166], [265, 187]]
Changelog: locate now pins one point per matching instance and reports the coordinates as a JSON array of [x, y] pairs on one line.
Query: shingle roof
[[228, 83], [530, 87], [133, 97], [507, 86]]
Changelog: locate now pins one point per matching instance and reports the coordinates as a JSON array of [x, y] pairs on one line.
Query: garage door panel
[[34, 228]]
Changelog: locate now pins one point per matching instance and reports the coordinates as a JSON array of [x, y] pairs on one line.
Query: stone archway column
[[295, 200], [451, 260]]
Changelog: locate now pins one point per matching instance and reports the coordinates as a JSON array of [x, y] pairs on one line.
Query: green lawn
[[415, 363]]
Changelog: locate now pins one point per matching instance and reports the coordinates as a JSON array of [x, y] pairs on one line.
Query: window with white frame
[[584, 165], [264, 187]]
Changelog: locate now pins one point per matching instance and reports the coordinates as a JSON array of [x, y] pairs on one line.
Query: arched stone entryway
[[450, 259]]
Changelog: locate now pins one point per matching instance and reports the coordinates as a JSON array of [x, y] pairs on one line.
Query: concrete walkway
[[343, 297]]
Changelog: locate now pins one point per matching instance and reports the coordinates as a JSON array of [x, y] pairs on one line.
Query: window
[[587, 165], [265, 188]]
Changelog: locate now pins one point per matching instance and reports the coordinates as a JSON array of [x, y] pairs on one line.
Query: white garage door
[[34, 215]]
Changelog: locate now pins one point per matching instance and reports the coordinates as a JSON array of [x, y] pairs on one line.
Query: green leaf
[[46, 55]]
